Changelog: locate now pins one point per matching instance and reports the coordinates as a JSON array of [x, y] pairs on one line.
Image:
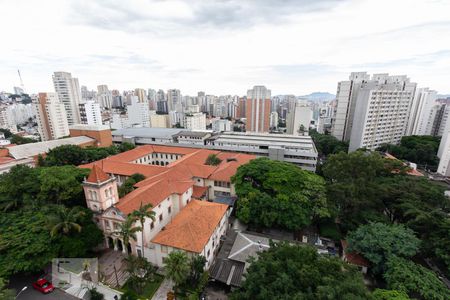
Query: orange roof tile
[[193, 226], [352, 257], [97, 175], [199, 191]]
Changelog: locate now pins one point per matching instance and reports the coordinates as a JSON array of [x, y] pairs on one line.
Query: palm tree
[[65, 220], [127, 231], [140, 214], [177, 267]]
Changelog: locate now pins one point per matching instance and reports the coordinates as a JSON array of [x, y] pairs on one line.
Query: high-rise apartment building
[[257, 109], [195, 121], [105, 97], [51, 116], [138, 112], [141, 94], [299, 118], [423, 112], [69, 94], [174, 100], [90, 113], [378, 108]]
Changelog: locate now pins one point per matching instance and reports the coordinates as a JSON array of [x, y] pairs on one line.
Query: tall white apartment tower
[[381, 111], [69, 94], [423, 112], [50, 116], [174, 100], [138, 112], [347, 92], [90, 113], [104, 96]]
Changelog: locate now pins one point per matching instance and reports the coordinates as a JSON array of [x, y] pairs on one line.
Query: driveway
[[19, 281]]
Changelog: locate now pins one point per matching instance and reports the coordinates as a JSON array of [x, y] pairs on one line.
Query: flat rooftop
[[33, 149], [147, 132]]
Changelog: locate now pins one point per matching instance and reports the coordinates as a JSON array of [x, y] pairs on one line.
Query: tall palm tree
[[65, 220], [127, 231], [144, 211], [177, 268]]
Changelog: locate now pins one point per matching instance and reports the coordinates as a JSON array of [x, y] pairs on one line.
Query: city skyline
[[223, 47]]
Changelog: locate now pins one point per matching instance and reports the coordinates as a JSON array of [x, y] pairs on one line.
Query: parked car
[[43, 286]]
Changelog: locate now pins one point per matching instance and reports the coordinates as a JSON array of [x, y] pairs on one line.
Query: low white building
[[219, 125], [195, 121]]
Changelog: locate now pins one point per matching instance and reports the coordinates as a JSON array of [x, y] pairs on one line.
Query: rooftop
[[191, 229], [89, 127], [33, 149], [147, 132]]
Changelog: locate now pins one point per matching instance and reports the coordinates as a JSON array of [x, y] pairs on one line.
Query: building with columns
[[184, 193]]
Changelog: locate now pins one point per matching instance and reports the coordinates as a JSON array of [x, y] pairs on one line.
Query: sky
[[223, 47]]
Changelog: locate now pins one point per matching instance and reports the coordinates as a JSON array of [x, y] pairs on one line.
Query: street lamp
[[23, 289]]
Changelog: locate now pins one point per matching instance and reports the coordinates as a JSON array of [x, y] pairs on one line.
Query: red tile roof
[[199, 191], [353, 258], [193, 226], [97, 175]]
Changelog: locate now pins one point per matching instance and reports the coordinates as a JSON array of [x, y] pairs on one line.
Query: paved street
[[18, 282]]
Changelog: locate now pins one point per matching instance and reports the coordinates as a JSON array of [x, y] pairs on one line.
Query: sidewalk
[[165, 287], [80, 290]]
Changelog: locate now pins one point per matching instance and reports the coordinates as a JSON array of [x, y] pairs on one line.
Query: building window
[[169, 209], [209, 252], [139, 252], [160, 217], [164, 249], [152, 225]]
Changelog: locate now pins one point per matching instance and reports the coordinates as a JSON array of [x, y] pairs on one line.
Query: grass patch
[[149, 288]]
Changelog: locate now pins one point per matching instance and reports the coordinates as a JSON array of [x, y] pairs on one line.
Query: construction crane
[[21, 81]]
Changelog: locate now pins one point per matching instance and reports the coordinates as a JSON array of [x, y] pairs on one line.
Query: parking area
[[18, 282]]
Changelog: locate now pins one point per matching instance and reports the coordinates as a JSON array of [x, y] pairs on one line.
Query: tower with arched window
[[100, 190]]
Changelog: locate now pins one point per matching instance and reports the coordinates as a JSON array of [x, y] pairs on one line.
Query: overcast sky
[[223, 47]]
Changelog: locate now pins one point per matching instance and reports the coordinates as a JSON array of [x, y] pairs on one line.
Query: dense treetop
[[278, 194], [418, 149], [299, 272]]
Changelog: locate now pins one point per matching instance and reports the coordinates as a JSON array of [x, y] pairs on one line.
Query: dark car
[[43, 285]]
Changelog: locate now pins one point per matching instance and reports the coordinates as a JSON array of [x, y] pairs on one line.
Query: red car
[[43, 286]]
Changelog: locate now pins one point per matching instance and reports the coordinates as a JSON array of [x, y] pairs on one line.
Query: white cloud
[[223, 46]]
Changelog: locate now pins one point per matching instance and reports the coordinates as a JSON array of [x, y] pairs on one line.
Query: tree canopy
[[299, 272], [377, 242], [29, 197], [327, 144], [405, 275], [418, 149], [128, 185], [75, 155], [278, 194]]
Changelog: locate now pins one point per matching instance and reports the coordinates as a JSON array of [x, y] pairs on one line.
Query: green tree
[[197, 265], [418, 149], [213, 160], [61, 185], [5, 293], [352, 186], [127, 231], [380, 294], [404, 275], [96, 295], [377, 242], [18, 187], [278, 194], [298, 272], [327, 144], [19, 140], [143, 212], [128, 185], [64, 221], [123, 147], [66, 155], [177, 268]]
